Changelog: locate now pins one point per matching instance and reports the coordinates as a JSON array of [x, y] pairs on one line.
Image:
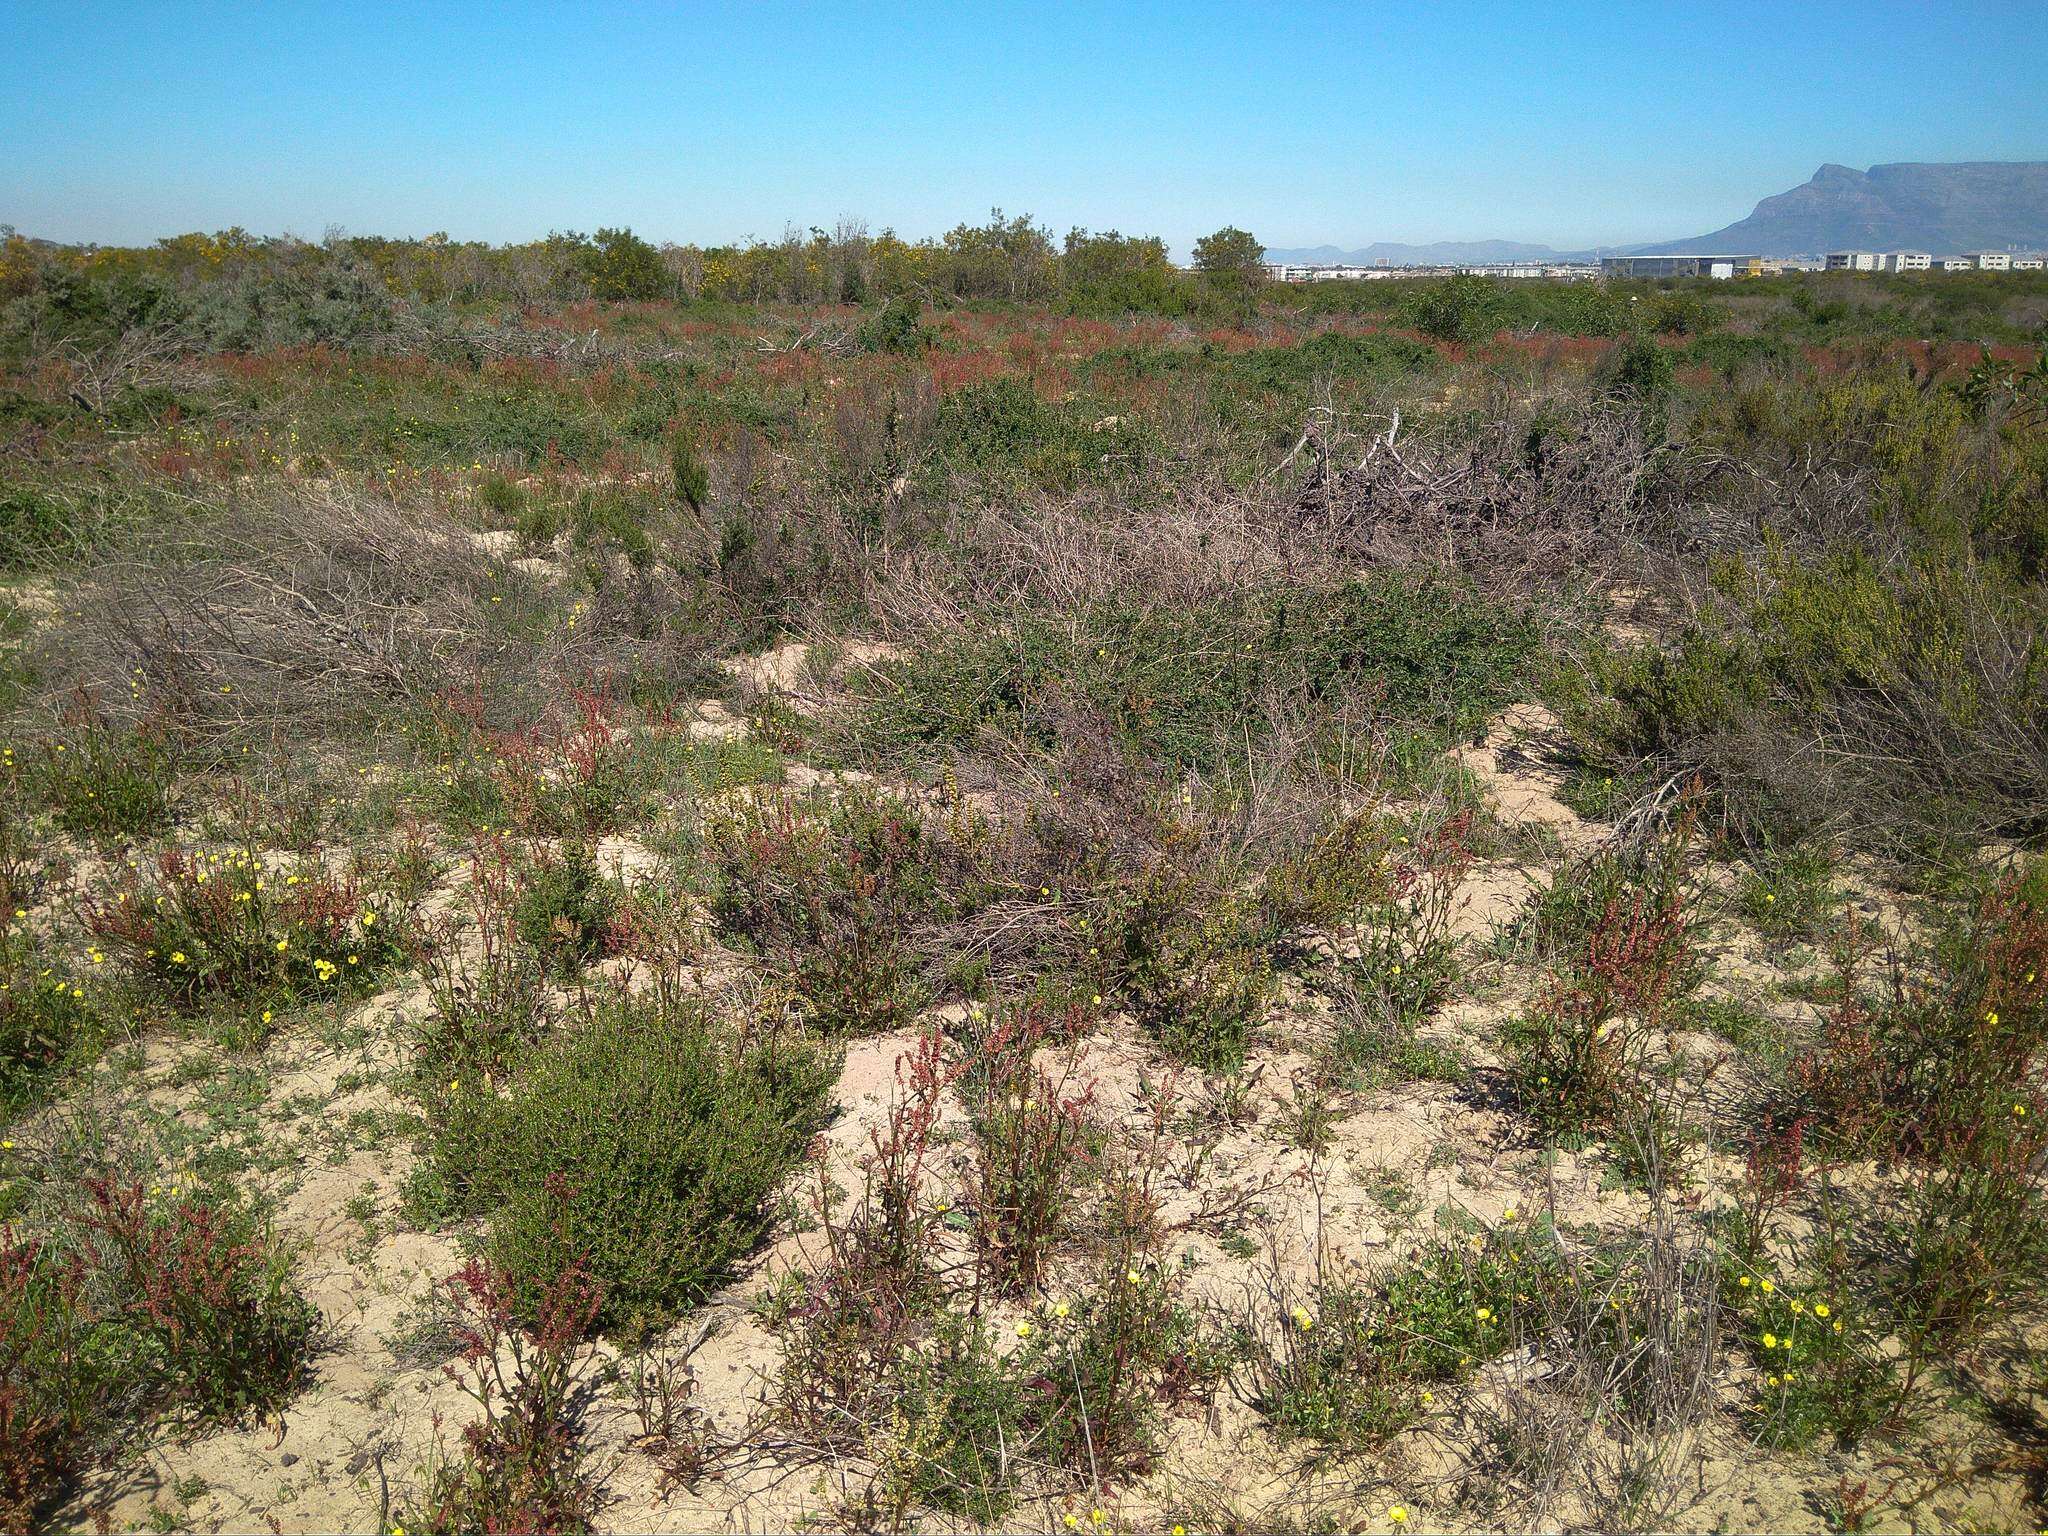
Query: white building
[[1991, 261], [1855, 261], [1955, 264], [2026, 263], [1908, 261]]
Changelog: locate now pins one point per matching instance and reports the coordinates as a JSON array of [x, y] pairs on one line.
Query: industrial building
[[1681, 266]]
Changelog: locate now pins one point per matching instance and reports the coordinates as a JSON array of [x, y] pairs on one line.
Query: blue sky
[[1564, 123]]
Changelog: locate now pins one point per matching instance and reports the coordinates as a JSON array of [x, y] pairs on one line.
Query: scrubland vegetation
[[980, 884]]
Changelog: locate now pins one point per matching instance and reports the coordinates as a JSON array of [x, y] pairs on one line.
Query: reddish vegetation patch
[[953, 371]]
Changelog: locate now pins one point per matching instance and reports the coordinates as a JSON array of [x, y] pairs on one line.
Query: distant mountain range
[[1944, 209], [1443, 253]]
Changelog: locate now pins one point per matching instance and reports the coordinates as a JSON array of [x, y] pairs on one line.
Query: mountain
[[1444, 253], [1974, 205]]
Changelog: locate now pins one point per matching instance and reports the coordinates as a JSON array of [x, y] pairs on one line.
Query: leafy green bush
[[1194, 964], [565, 908], [1185, 684], [222, 1333], [227, 927], [105, 779], [45, 1019], [647, 1143]]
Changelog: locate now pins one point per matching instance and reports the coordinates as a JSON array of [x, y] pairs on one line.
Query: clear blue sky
[[1558, 122]]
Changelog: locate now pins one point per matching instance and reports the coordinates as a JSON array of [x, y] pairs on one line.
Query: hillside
[[1977, 205]]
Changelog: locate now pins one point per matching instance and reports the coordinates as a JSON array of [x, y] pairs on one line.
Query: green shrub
[[52, 1381], [1352, 1366], [227, 927], [688, 478], [1185, 684], [1193, 963], [564, 911], [648, 1142], [105, 779], [224, 1336], [1789, 892], [896, 327], [46, 1022]]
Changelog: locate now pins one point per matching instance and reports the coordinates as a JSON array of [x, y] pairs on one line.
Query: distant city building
[[2026, 263], [1908, 261], [1991, 261], [1855, 261], [1955, 264], [1681, 266]]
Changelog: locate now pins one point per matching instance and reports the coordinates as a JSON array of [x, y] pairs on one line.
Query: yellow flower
[[266, 1015], [1096, 1517], [1797, 1306], [1766, 1287], [1820, 1309], [1508, 1214], [1743, 1282], [1023, 1330], [1484, 1314], [1072, 1520], [1398, 1514], [1991, 1017], [1060, 1309], [1770, 1341], [283, 945], [177, 957], [1428, 1397], [2020, 1110]]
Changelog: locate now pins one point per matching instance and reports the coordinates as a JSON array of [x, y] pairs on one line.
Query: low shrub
[[1029, 1148], [564, 907], [104, 779], [523, 1464], [1183, 684], [225, 1335], [645, 1143], [835, 893], [1619, 936], [46, 1018], [228, 928], [51, 1394], [1193, 963], [1355, 1362], [1945, 1046]]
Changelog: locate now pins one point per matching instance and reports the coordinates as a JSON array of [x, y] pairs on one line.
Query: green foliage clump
[[897, 327], [1352, 1370], [1195, 964], [565, 909], [647, 1142], [46, 1019], [618, 264], [105, 779], [688, 478], [207, 928], [1183, 685], [1335, 356]]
